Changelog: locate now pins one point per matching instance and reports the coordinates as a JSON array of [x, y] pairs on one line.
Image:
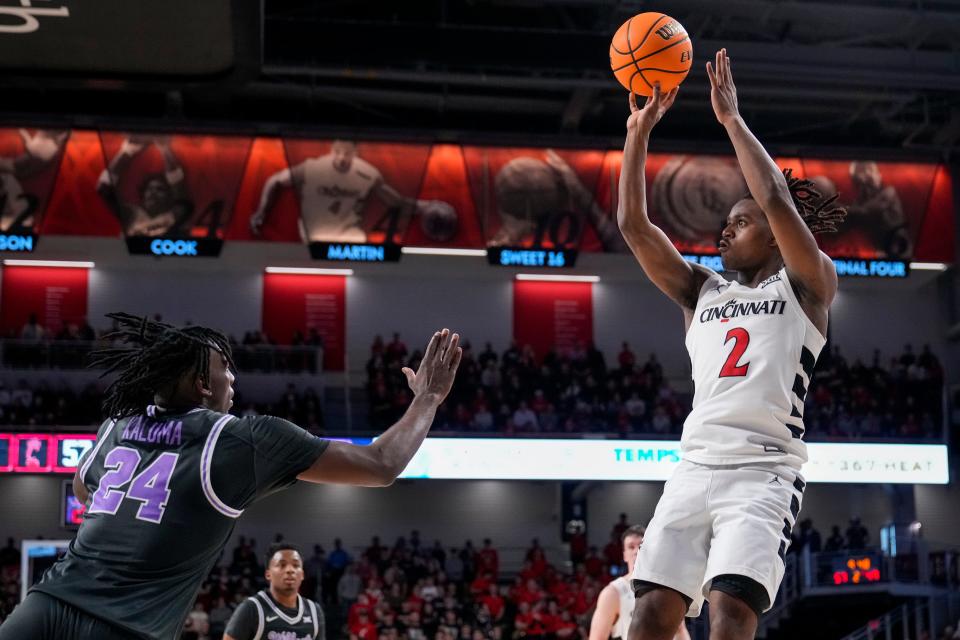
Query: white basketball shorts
[[717, 520]]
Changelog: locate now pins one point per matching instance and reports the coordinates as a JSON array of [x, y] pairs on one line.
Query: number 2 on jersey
[[741, 340], [148, 487]]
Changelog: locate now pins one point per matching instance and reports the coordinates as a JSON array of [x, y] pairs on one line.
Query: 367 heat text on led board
[[528, 459]]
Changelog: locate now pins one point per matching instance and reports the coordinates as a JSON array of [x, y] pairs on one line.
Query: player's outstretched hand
[[723, 93], [438, 368], [643, 120]]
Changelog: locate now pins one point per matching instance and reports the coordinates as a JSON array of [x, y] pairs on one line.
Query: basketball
[[439, 221], [648, 48]]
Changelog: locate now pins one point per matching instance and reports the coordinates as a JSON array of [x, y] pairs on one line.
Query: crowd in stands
[[575, 391], [517, 393], [902, 399], [412, 590], [514, 392], [35, 346]]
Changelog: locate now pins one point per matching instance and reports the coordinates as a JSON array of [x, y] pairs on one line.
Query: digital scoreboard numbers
[[857, 569], [43, 452]]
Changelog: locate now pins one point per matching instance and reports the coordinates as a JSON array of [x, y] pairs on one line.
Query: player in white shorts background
[[333, 190], [611, 618], [722, 526]]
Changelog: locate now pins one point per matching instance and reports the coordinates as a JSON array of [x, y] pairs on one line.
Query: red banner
[[54, 296], [158, 185], [539, 197], [28, 171], [552, 315], [296, 304], [445, 195]]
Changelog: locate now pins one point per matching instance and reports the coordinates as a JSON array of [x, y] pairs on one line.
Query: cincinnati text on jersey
[[734, 309]]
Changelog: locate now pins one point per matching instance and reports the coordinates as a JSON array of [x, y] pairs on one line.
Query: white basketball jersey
[[331, 202], [753, 351], [627, 600]]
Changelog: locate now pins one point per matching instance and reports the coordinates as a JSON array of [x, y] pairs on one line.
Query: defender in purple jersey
[[172, 470]]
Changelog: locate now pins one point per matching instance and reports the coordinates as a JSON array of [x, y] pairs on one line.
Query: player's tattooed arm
[[663, 264], [768, 186], [380, 463]]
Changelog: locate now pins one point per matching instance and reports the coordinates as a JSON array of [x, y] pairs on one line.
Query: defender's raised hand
[[657, 104], [723, 93], [438, 368]]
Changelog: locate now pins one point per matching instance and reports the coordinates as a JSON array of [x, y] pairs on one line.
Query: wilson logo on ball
[[669, 30]]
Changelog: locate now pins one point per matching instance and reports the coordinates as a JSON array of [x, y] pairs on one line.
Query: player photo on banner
[[29, 162], [350, 192], [180, 186], [539, 198], [886, 204]]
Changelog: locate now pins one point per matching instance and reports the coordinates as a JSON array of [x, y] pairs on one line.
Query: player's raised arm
[[380, 463], [803, 259], [660, 260]]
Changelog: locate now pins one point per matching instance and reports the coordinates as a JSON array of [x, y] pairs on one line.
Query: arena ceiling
[[855, 74]]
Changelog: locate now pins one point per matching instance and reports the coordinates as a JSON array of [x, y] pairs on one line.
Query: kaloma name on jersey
[[734, 309], [144, 429]]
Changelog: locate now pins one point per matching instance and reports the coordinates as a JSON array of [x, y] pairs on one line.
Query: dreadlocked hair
[[152, 356], [821, 215]]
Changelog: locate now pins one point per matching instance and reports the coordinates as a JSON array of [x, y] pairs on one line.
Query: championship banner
[[886, 205], [298, 303], [177, 187], [75, 207], [896, 211], [550, 315], [29, 162], [349, 192], [528, 197], [55, 296]]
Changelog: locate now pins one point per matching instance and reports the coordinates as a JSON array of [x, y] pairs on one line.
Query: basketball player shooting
[[278, 611], [333, 190], [614, 611], [172, 470], [721, 529], [164, 207]]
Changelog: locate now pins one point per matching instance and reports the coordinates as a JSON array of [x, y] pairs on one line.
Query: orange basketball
[[651, 47]]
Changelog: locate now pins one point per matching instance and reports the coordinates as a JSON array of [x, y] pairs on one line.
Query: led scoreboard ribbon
[[551, 459], [43, 452]]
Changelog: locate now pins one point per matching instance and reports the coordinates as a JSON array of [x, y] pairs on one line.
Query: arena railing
[[72, 355], [921, 620]]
